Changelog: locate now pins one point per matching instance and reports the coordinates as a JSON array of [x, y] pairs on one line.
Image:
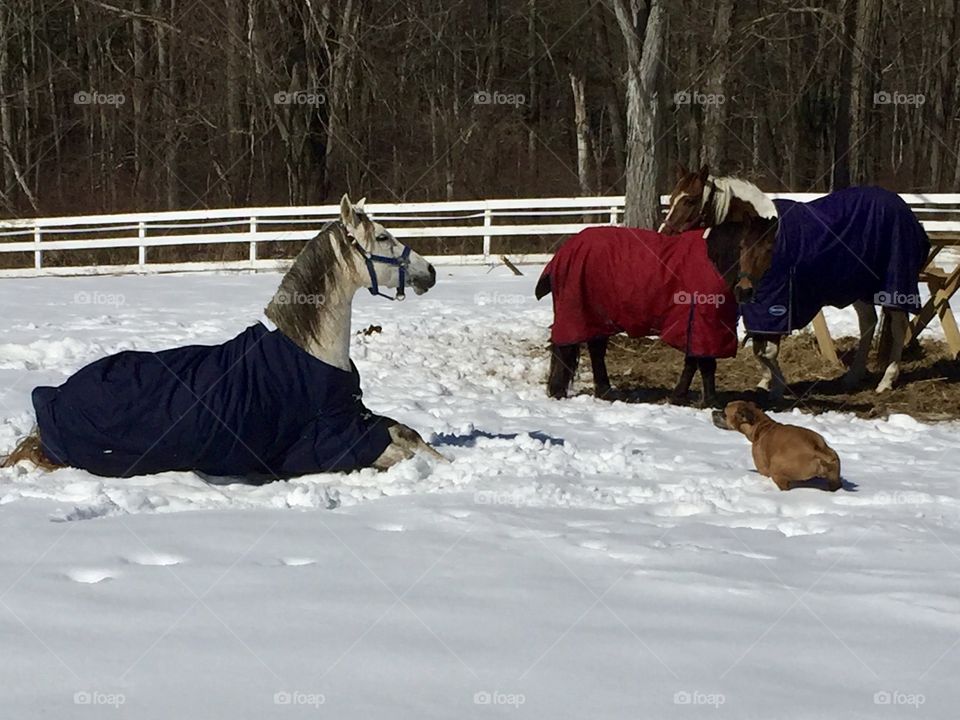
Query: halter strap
[[402, 262]]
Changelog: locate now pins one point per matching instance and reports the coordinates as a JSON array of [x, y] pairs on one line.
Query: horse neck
[[314, 303]]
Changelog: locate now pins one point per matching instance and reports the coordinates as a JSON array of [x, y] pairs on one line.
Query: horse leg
[[867, 318], [598, 354], [766, 350], [897, 321], [708, 376], [679, 394], [563, 366]]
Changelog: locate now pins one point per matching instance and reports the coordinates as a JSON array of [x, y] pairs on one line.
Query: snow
[[577, 559]]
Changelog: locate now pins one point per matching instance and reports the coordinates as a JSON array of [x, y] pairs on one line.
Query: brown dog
[[787, 453]]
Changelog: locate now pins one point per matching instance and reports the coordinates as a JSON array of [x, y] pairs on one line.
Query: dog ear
[[746, 415]]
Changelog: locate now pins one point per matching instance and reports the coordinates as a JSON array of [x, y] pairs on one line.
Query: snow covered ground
[[577, 559]]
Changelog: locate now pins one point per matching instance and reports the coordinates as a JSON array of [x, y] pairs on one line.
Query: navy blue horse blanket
[[854, 244], [256, 406]]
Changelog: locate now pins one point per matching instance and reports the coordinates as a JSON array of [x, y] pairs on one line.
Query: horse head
[[701, 200], [755, 238], [689, 201], [386, 261], [742, 219]]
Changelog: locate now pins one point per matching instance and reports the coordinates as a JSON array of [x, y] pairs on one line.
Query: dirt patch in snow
[[645, 370]]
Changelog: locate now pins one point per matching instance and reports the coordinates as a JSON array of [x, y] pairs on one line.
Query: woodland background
[[118, 105]]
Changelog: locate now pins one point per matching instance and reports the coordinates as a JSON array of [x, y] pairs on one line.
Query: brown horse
[[609, 280]]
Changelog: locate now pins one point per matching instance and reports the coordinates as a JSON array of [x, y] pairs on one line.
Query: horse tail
[[563, 366], [544, 287], [30, 449]]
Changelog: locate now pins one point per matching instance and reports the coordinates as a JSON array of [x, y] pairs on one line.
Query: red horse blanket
[[607, 280]]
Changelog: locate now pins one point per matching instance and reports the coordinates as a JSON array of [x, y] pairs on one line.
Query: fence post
[[37, 262], [253, 243], [613, 215], [141, 249], [487, 222]]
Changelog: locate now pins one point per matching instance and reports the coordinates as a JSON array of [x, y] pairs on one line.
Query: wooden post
[[827, 348], [942, 288], [37, 262]]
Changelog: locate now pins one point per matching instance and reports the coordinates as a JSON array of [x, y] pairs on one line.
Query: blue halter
[[402, 262]]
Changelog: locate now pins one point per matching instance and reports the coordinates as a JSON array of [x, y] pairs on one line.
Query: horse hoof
[[603, 393], [676, 399]]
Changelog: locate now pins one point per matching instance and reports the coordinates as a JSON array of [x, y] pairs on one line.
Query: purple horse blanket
[[861, 243]]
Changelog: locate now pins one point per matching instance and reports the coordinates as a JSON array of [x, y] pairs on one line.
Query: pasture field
[[577, 559]]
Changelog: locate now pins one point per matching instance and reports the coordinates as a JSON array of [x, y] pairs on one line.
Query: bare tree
[[642, 27]]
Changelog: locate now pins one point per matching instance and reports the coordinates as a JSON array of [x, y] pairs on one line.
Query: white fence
[[24, 242]]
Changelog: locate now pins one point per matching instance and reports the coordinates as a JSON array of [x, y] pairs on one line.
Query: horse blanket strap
[[860, 243], [607, 280], [256, 407], [402, 262]]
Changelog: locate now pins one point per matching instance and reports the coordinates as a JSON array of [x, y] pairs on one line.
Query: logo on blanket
[[777, 310]]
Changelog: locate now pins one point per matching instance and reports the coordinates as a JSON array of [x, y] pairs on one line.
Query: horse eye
[[382, 238]]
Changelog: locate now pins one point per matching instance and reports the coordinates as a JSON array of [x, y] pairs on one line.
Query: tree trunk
[[861, 88], [583, 133], [715, 110], [642, 28]]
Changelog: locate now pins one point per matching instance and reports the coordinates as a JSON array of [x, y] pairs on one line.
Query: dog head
[[739, 415]]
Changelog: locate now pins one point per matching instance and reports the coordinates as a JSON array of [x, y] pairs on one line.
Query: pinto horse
[[607, 280], [861, 246]]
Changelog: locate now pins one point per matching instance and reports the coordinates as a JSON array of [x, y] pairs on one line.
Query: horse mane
[[727, 188], [296, 307]]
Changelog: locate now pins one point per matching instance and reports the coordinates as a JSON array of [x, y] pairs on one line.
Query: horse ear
[[360, 203], [347, 216], [704, 173]]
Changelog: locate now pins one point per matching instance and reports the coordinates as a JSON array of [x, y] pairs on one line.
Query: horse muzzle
[[421, 282], [744, 295]]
